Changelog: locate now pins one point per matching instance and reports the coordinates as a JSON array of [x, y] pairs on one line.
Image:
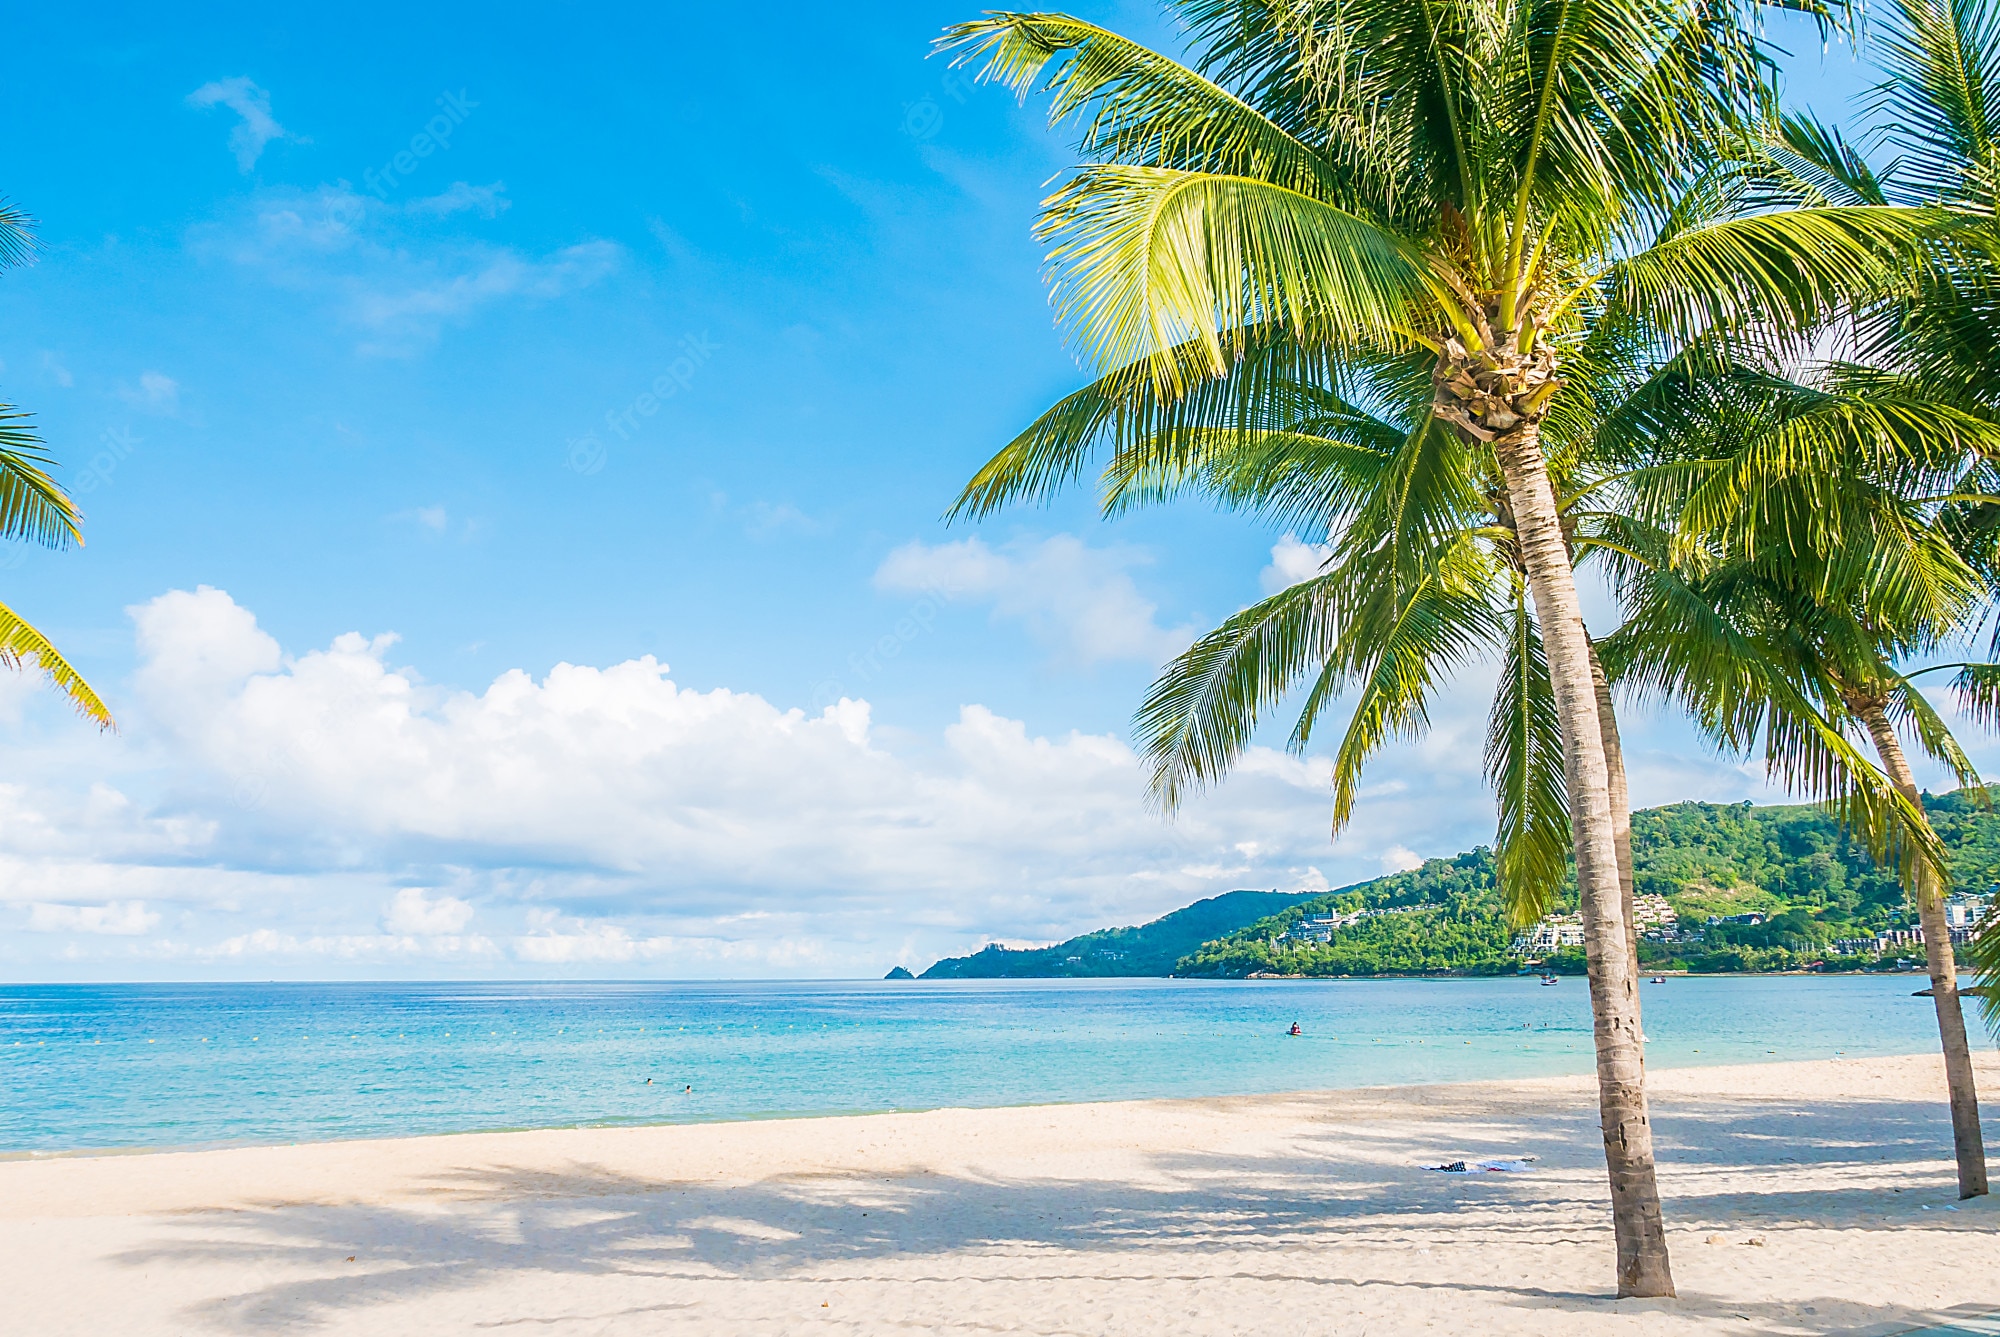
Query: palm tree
[[1939, 109], [1798, 582], [33, 507], [1390, 180]]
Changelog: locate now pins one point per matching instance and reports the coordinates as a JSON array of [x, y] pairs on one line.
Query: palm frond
[[1524, 764], [1147, 259], [17, 235], [1788, 270], [1136, 106], [33, 506], [1976, 692], [1201, 711], [21, 646], [1941, 101]]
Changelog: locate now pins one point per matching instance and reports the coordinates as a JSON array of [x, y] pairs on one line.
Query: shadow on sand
[[1282, 1218]]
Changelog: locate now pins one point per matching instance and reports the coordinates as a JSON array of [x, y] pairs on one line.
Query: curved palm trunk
[[1614, 995], [1621, 802], [1965, 1135]]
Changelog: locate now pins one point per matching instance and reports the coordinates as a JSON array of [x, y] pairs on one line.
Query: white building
[[1654, 918], [1552, 934], [1965, 911]]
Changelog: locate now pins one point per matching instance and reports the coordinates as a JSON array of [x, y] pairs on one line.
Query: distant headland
[[1721, 888]]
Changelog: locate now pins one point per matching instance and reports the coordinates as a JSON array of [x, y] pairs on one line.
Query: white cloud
[[121, 918], [156, 393], [459, 197], [414, 912], [1291, 562], [328, 807], [1397, 859], [398, 286], [425, 303], [252, 104], [328, 811], [1078, 600]]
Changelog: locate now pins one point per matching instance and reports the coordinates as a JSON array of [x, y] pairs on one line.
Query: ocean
[[87, 1067]]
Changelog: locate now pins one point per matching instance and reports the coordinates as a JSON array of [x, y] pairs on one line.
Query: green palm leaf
[[1524, 764], [1149, 258], [33, 505], [1137, 106], [1789, 270]]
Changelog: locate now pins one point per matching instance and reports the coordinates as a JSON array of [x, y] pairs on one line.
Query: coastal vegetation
[[1147, 949], [1786, 883]]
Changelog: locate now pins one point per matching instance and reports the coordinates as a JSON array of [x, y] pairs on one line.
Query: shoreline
[[1812, 1197], [32, 1157]]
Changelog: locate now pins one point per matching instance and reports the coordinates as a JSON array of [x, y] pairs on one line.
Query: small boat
[[1548, 979], [1657, 979]]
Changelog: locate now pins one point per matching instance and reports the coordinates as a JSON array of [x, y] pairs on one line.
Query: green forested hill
[[1790, 863], [1150, 949]]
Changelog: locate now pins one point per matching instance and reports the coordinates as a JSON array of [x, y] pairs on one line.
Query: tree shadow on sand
[[1278, 1217]]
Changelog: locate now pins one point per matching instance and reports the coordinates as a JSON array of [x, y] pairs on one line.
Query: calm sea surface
[[85, 1066]]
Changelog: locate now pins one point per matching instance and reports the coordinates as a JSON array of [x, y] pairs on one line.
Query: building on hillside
[[1965, 912], [1319, 928], [1552, 934], [1883, 942], [1655, 919]]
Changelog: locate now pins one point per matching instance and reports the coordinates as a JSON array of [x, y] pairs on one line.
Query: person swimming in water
[[1295, 1030]]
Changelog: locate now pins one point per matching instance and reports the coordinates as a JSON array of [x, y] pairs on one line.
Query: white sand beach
[[1801, 1198]]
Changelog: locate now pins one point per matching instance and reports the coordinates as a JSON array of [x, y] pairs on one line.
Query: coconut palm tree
[[35, 509], [1798, 582], [1391, 180], [1939, 112]]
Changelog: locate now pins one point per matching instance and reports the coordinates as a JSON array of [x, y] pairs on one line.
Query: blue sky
[[675, 341]]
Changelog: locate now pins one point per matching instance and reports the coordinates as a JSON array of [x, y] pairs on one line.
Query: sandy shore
[[1801, 1198]]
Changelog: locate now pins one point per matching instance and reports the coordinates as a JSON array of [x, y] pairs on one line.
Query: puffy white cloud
[[1398, 859], [1078, 600], [329, 811], [609, 815], [256, 126], [1292, 560]]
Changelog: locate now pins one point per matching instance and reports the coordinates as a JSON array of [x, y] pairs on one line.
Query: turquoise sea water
[[95, 1066]]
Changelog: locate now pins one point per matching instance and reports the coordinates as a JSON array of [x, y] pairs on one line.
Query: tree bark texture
[[1967, 1142], [1621, 801], [1643, 1268]]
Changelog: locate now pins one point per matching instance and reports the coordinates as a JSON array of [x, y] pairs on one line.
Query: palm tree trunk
[[1614, 993], [1966, 1140], [1621, 801]]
